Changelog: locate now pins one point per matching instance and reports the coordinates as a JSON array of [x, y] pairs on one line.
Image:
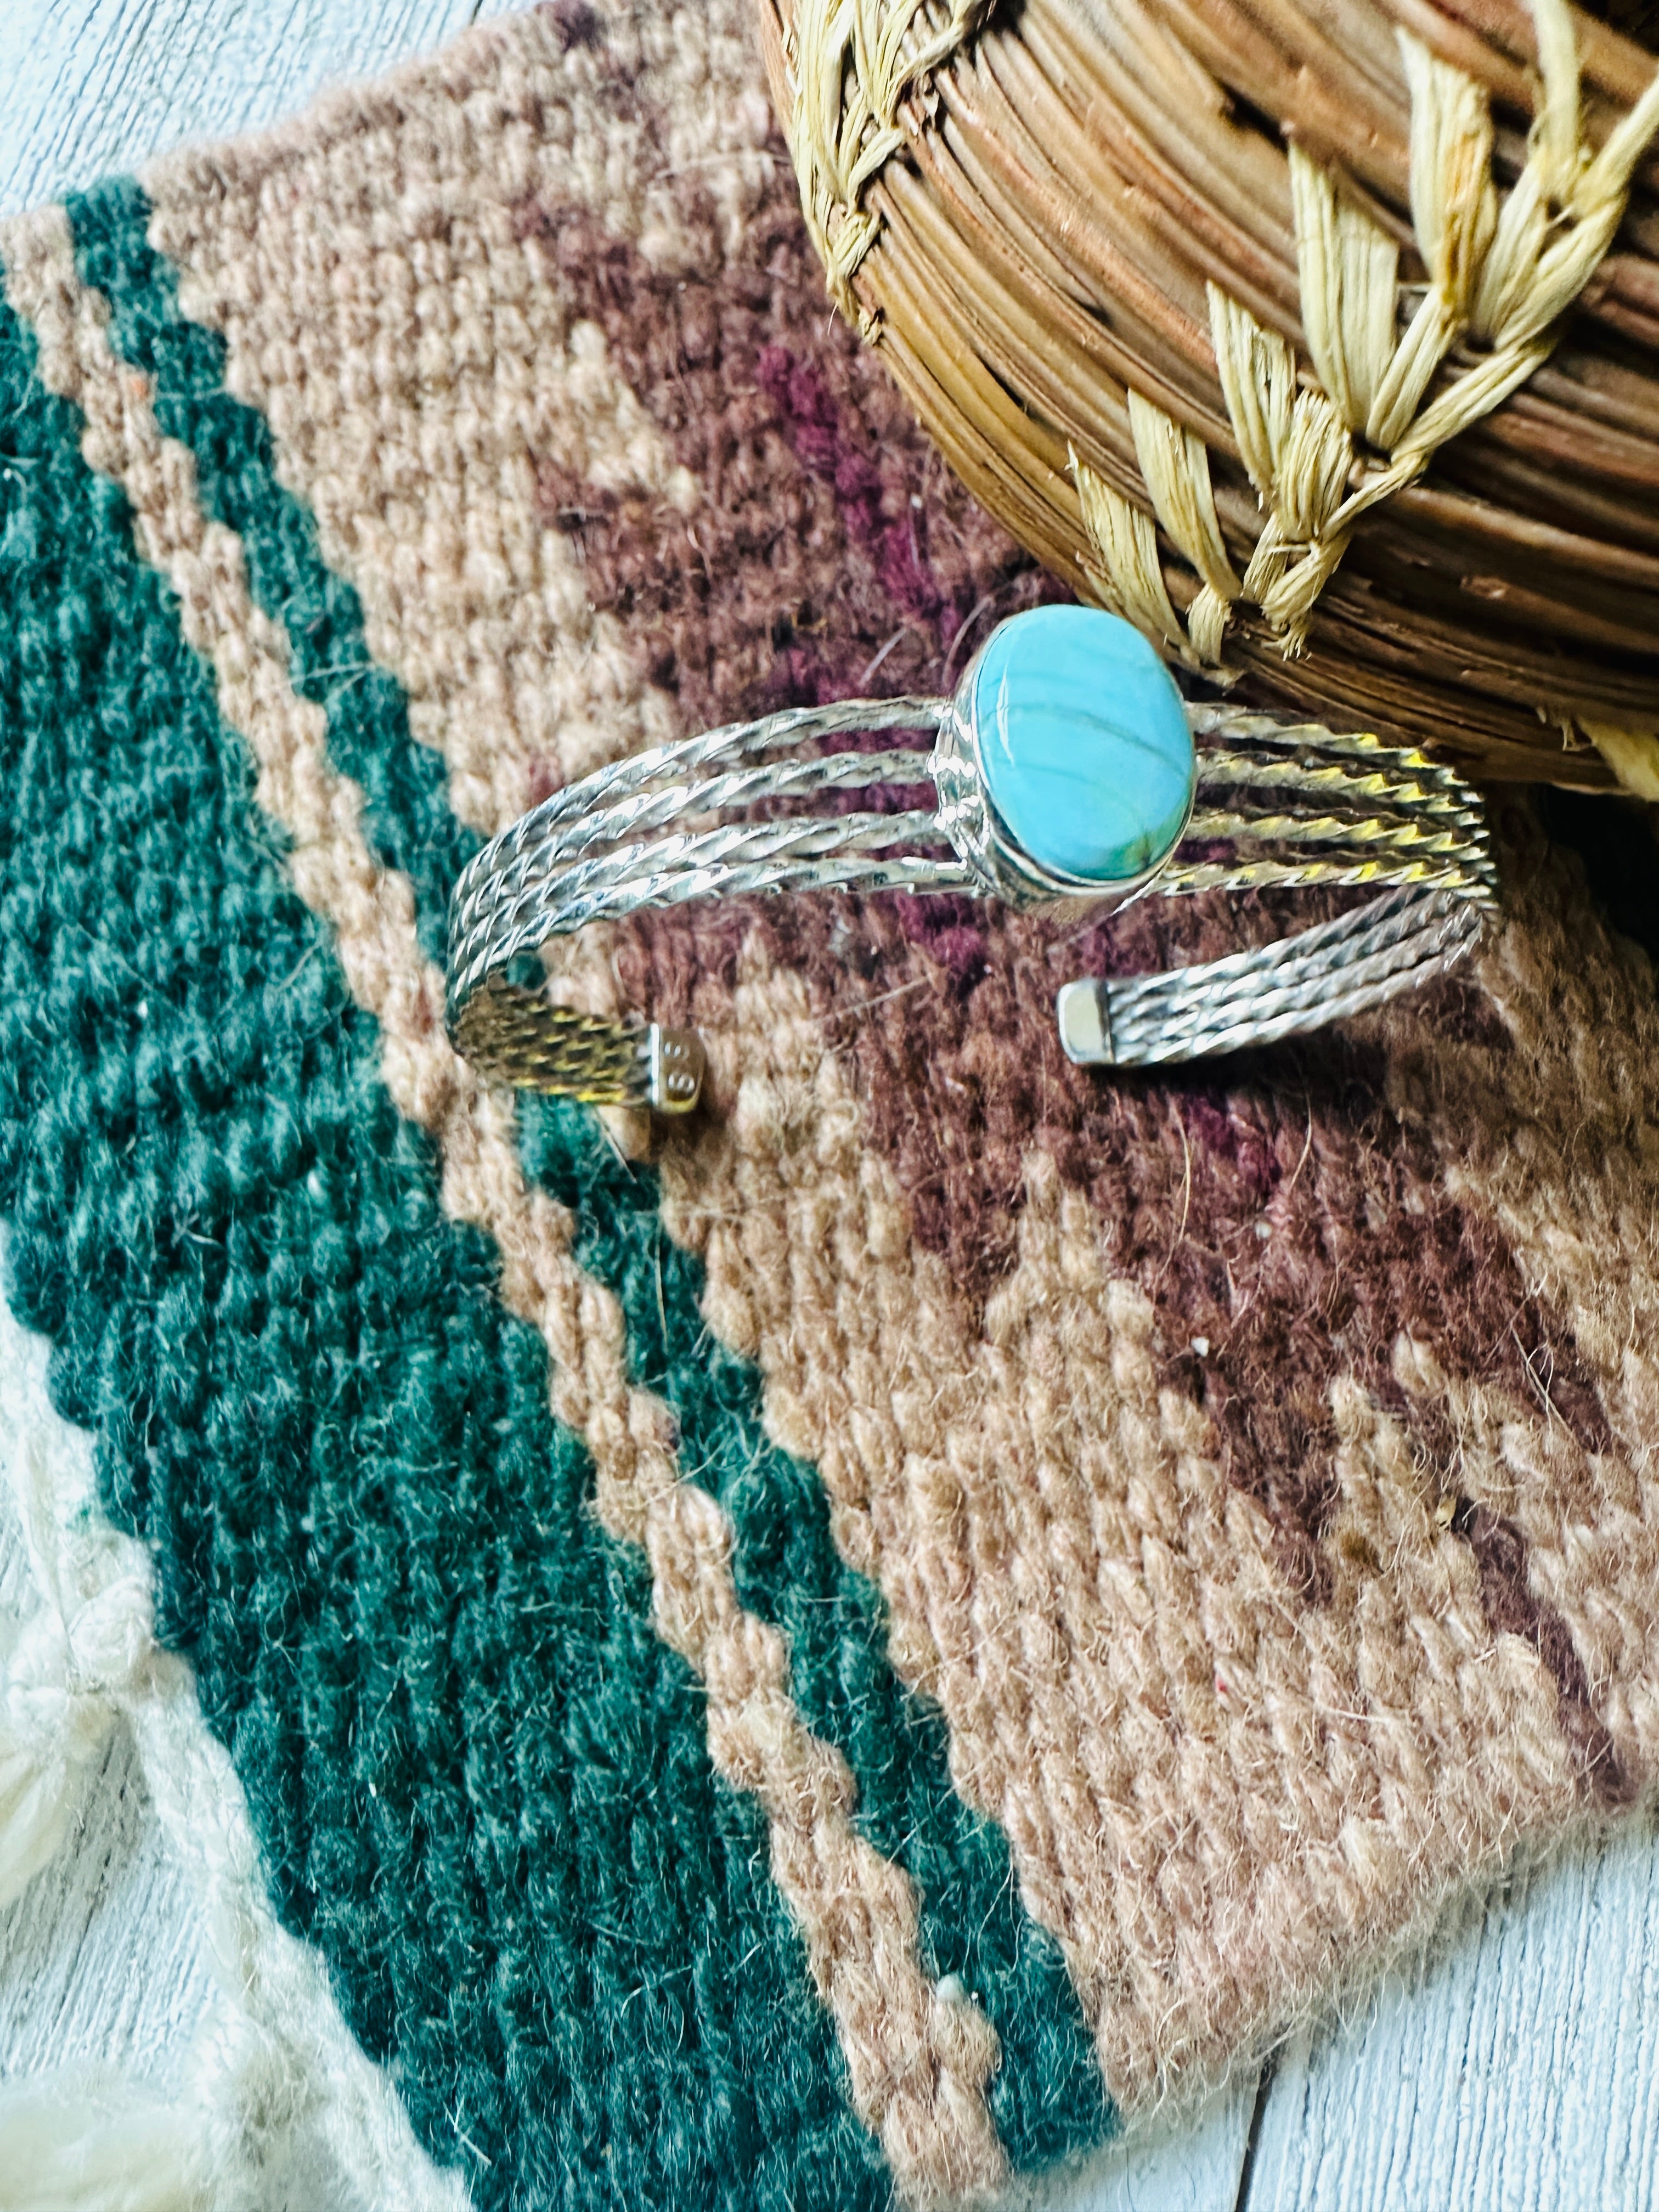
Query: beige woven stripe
[[1557, 1139], [1133, 1690], [412, 426], [918, 2062]]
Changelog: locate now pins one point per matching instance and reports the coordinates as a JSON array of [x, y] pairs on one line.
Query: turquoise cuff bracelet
[[1066, 767]]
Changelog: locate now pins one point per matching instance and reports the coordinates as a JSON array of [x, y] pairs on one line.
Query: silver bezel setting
[[983, 841]]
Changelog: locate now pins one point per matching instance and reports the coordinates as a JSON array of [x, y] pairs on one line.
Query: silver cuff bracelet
[[1066, 768]]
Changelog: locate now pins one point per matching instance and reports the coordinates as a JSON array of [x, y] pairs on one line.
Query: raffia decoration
[[1186, 359], [1501, 281], [851, 62]]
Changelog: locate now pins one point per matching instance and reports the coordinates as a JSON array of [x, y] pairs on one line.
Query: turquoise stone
[[1083, 743]]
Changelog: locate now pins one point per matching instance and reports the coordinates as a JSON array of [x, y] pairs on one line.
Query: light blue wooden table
[[1515, 2065]]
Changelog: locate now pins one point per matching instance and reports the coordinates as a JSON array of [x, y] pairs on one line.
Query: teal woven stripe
[[479, 1780], [1046, 2096], [408, 815]]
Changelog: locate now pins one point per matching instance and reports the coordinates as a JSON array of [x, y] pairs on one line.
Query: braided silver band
[[611, 844], [1276, 803], [1299, 983]]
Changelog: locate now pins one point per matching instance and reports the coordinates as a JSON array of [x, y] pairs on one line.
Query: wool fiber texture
[[837, 1651]]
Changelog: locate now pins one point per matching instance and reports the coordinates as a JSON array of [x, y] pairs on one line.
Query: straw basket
[[1319, 337]]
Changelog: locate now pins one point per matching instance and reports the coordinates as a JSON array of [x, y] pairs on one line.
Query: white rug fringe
[[279, 2108]]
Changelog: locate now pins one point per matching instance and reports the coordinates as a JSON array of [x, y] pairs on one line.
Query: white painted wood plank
[[1192, 2163], [91, 86], [102, 1956], [1519, 2072]]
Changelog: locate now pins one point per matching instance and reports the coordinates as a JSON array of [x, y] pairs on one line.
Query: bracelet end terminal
[[677, 1063], [1085, 1023]]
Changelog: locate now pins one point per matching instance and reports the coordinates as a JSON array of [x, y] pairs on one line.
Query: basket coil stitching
[[1322, 450]]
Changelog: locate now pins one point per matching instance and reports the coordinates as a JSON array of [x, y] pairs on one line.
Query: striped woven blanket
[[847, 1648]]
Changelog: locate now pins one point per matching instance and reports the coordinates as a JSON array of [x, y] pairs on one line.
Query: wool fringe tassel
[[278, 2103]]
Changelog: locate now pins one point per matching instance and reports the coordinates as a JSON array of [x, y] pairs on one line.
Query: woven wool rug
[[852, 1647]]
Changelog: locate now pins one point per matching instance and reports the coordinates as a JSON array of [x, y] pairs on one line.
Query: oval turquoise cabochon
[[1083, 743]]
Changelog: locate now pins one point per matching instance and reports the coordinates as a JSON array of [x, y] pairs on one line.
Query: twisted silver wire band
[[1277, 803], [589, 853], [1362, 959]]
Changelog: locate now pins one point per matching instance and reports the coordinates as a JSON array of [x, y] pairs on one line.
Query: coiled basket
[[1321, 337]]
